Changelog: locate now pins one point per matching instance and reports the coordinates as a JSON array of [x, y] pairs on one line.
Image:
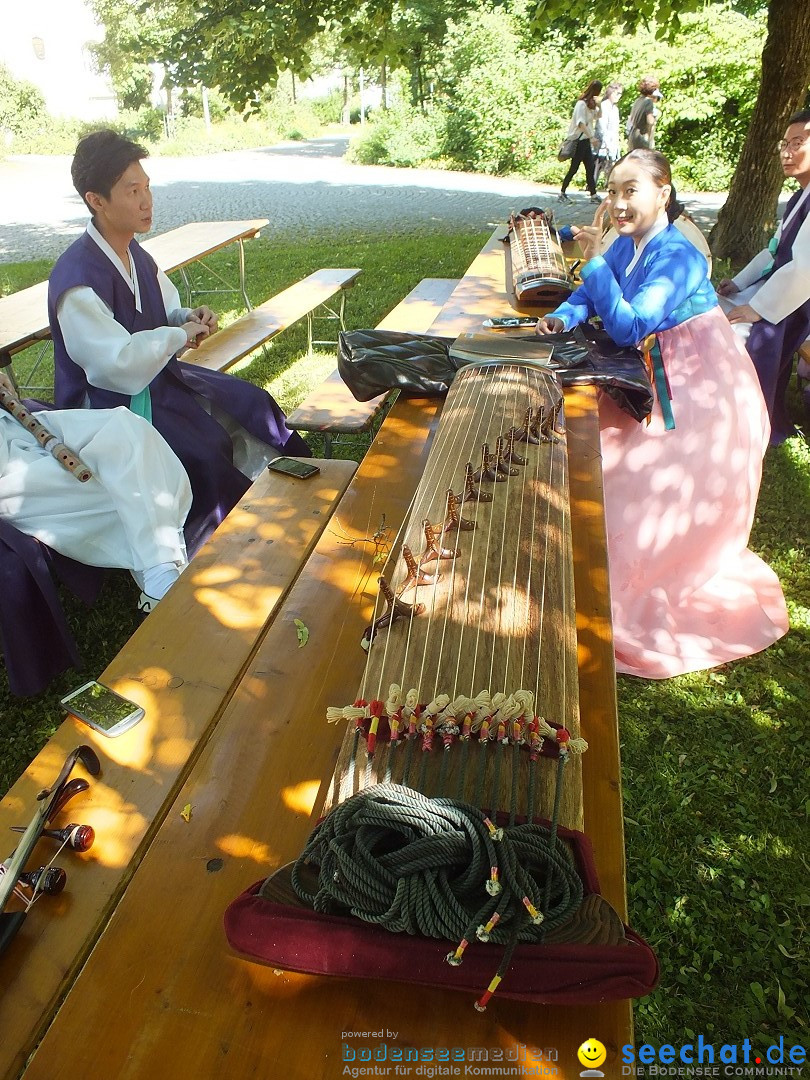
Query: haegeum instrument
[[27, 886], [537, 274]]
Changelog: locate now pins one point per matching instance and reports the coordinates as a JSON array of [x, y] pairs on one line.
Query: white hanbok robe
[[782, 292], [130, 514]]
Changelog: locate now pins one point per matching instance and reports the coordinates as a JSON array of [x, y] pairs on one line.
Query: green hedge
[[503, 101]]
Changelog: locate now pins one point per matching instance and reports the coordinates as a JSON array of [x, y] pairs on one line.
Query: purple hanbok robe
[[35, 639]]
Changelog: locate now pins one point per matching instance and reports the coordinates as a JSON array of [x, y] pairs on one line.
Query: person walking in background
[[583, 129], [643, 115], [608, 131]]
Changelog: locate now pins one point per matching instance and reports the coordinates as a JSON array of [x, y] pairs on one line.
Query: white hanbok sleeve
[[171, 301], [754, 270], [112, 358], [788, 287]]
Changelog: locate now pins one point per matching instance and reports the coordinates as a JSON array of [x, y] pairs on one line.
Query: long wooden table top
[[182, 1002], [181, 665], [24, 314]]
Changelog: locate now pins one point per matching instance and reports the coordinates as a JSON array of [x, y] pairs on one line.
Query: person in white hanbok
[[129, 514], [768, 302]]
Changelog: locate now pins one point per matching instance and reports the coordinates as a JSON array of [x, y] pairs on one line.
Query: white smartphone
[[102, 709], [291, 466]]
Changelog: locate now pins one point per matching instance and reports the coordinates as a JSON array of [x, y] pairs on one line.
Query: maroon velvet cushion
[[298, 939]]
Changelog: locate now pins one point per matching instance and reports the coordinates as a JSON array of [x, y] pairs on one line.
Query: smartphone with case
[[291, 466], [102, 709], [510, 322]]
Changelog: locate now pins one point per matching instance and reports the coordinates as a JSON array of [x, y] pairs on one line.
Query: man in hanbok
[[768, 302], [118, 325]]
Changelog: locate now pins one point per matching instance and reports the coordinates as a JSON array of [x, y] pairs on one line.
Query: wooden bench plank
[[181, 665], [231, 344], [24, 314], [331, 407], [269, 761]]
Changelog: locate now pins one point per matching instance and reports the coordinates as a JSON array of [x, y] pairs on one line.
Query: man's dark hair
[[101, 159], [800, 117]]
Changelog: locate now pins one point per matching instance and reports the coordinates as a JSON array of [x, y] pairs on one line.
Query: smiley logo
[[592, 1054]]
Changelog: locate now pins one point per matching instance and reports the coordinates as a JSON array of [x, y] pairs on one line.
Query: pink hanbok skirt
[[686, 592]]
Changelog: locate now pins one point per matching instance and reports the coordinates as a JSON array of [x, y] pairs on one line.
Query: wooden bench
[[254, 329], [182, 666], [24, 314], [331, 409], [193, 242]]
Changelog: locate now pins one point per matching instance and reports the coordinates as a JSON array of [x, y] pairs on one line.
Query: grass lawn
[[714, 764]]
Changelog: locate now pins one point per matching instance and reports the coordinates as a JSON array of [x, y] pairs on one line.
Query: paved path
[[298, 186]]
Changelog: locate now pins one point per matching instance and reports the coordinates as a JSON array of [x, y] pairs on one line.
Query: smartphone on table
[[102, 709], [291, 466], [510, 322]]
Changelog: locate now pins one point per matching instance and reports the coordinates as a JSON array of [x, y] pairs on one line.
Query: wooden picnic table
[[161, 994], [24, 314]]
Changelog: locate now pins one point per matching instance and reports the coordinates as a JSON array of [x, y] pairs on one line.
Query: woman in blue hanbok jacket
[[681, 489]]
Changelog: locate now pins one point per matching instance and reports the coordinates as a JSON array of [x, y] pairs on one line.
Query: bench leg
[[332, 314], [802, 371], [242, 284], [327, 444], [186, 284]]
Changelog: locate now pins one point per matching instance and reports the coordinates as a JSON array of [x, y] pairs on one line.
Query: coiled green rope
[[439, 868]]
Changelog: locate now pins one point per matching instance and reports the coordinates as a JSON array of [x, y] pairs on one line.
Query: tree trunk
[[749, 213], [384, 85], [346, 113]]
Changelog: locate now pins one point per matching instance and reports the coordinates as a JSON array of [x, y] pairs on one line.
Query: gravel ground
[[296, 185]]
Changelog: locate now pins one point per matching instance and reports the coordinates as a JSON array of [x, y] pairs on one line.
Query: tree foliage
[[136, 35], [503, 100], [22, 106], [241, 47]]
